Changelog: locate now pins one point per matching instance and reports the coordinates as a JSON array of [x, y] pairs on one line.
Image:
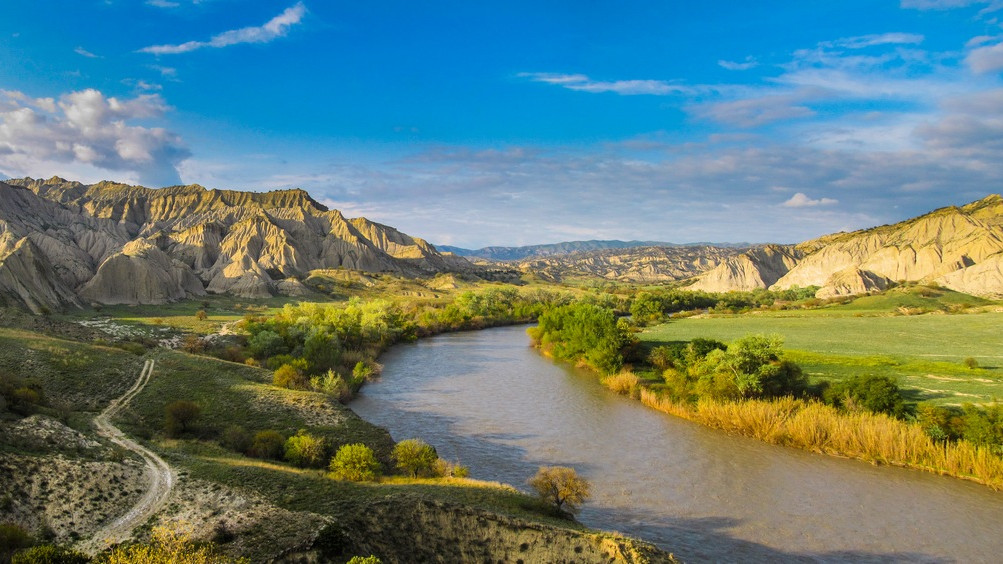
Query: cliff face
[[959, 248], [113, 243]]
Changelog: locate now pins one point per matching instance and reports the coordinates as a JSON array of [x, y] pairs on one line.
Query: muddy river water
[[493, 403]]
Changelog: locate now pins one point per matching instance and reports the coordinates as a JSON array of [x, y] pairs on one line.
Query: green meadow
[[924, 352]]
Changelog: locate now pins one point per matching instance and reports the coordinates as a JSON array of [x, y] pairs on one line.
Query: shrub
[[49, 554], [237, 438], [970, 363], [268, 444], [201, 315], [304, 449], [287, 376], [355, 462], [561, 486], [13, 538], [625, 382], [168, 547], [180, 417], [333, 385], [415, 457], [873, 392], [365, 560]]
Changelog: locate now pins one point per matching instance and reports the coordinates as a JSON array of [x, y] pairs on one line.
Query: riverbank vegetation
[[751, 386]]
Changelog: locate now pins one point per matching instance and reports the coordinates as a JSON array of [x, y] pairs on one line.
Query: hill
[[64, 244], [636, 264], [564, 248], [960, 248]]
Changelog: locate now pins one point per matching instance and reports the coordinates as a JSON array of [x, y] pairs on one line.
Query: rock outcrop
[[757, 268], [63, 243], [633, 264], [958, 247]]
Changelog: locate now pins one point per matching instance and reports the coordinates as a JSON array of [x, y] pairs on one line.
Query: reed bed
[[624, 382], [875, 438]]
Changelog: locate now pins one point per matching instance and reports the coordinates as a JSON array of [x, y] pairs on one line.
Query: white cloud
[[275, 28], [85, 53], [940, 4], [862, 41], [90, 129], [162, 3], [986, 59], [754, 112], [583, 83], [749, 63], [801, 200]]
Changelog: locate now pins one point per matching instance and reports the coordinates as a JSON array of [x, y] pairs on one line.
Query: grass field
[[924, 352]]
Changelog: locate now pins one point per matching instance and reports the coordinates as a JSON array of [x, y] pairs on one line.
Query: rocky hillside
[[566, 248], [957, 247], [638, 264], [65, 243]]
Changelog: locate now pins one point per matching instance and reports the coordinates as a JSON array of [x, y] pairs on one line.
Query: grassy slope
[[923, 351]]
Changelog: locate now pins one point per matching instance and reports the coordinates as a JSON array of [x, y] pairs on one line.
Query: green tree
[[266, 343], [874, 392], [355, 462], [322, 351], [268, 444], [562, 487], [646, 308], [415, 456], [180, 417], [306, 450]]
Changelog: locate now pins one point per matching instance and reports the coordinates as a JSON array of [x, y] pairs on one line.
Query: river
[[491, 402]]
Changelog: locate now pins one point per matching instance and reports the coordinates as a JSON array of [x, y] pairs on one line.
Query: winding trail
[[159, 473]]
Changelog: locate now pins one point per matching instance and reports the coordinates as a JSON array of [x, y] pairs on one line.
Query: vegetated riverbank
[[748, 388]]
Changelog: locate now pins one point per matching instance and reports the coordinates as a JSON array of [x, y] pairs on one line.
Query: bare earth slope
[[958, 247], [636, 264], [63, 243]]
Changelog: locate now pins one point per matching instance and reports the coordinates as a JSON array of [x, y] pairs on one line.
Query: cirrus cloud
[[275, 28]]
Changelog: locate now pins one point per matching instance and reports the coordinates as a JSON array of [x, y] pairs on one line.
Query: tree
[[873, 392], [561, 486], [180, 417], [355, 462], [414, 456], [647, 308], [268, 444], [267, 343], [304, 449], [201, 315]]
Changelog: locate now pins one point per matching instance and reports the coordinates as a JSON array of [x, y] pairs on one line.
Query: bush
[[49, 554], [970, 363], [365, 560], [268, 444], [415, 457], [168, 547], [355, 462], [306, 450], [287, 376], [873, 392], [13, 538], [333, 385], [180, 417], [236, 438], [562, 487]]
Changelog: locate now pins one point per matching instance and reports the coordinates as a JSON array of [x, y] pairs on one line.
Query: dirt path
[[159, 473]]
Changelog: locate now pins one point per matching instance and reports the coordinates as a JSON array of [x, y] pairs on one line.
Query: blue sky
[[506, 123]]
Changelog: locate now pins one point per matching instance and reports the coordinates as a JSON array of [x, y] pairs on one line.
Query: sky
[[516, 122]]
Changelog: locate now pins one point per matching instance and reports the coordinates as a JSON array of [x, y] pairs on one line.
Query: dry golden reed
[[876, 438]]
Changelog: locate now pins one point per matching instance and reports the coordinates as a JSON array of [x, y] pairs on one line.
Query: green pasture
[[924, 352]]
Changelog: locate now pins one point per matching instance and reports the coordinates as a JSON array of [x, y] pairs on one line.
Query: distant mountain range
[[565, 248], [64, 243]]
